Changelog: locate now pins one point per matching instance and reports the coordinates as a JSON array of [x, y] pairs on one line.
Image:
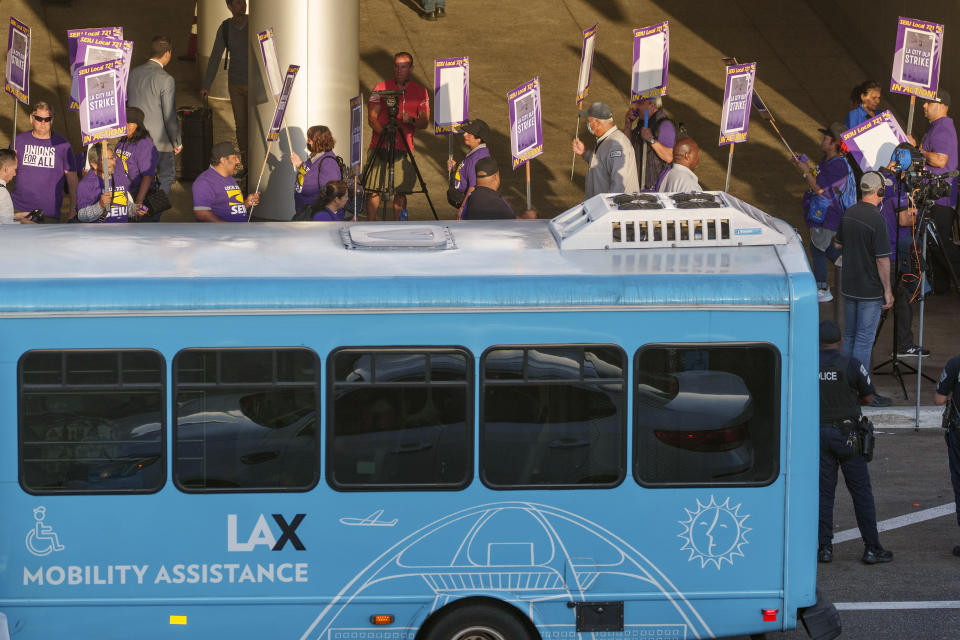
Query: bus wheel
[[478, 622]]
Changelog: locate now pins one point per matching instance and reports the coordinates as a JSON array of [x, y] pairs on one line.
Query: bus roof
[[190, 268]]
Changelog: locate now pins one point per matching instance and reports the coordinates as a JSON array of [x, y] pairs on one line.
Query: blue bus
[[599, 426]]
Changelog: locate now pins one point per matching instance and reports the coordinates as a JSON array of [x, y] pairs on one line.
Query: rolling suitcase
[[196, 131]]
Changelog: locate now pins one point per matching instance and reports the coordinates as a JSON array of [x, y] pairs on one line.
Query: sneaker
[[430, 15], [880, 401], [876, 555], [913, 351], [824, 295], [825, 554]]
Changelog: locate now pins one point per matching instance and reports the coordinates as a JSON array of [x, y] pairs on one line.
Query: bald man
[[680, 177]]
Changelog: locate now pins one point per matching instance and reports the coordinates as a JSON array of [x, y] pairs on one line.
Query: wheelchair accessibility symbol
[[42, 539]]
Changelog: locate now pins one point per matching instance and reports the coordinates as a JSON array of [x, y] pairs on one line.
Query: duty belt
[[846, 426]]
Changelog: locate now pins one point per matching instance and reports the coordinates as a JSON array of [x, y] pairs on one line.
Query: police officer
[[844, 386], [948, 388]]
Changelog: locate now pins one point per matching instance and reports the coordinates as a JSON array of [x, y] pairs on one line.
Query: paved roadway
[[918, 594]]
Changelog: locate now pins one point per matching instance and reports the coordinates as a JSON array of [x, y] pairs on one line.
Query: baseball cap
[[477, 128], [486, 167], [597, 110], [135, 115], [830, 332], [943, 97], [871, 181], [222, 150], [835, 131]]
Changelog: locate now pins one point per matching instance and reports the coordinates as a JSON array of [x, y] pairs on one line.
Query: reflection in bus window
[[553, 416], [246, 419], [706, 414], [399, 419], [91, 421]]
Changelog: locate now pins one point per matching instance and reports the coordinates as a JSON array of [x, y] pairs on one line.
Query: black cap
[[222, 150], [486, 167], [477, 128], [830, 332], [943, 97], [835, 131]]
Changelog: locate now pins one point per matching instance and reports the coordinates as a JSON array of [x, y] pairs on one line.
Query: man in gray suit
[[152, 90]]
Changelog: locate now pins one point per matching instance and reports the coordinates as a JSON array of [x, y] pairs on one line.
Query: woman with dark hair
[[137, 158], [96, 202], [328, 207], [319, 169], [865, 99]]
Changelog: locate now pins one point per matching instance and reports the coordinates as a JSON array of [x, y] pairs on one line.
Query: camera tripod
[[382, 158]]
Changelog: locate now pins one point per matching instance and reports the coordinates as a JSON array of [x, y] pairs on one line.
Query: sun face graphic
[[714, 532]]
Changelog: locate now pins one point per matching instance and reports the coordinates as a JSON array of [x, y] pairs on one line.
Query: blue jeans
[[430, 5], [166, 171], [818, 261], [834, 453], [860, 318]]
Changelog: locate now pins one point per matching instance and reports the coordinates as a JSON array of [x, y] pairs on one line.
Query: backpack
[[305, 213], [454, 196], [836, 198]]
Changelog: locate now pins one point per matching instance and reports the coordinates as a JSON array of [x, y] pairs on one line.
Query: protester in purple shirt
[[319, 169], [95, 202], [138, 157], [831, 173], [464, 178], [939, 146], [328, 207], [216, 195], [45, 161]]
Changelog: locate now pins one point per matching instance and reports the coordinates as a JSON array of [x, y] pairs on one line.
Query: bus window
[[707, 414], [246, 419], [91, 421], [399, 418], [553, 416]]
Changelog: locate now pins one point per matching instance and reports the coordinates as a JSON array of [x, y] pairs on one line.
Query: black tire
[[478, 622]]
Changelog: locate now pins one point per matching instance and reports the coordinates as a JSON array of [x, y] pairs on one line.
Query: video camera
[[390, 98], [929, 187]]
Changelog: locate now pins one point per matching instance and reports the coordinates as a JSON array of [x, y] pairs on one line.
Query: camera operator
[[948, 391], [844, 386], [412, 110], [8, 170], [939, 149], [865, 280]]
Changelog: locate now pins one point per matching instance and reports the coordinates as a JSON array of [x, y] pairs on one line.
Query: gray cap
[[598, 110], [835, 131], [873, 180]]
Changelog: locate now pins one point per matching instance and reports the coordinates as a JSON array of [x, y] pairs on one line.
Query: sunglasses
[[43, 118]]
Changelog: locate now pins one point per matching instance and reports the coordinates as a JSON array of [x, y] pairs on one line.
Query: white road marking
[[904, 417], [873, 606], [899, 521]]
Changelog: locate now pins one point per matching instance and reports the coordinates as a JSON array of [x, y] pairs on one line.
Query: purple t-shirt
[[40, 172], [889, 207], [90, 188], [667, 134], [832, 173], [465, 175], [222, 196], [137, 159], [941, 137], [312, 176], [325, 215]]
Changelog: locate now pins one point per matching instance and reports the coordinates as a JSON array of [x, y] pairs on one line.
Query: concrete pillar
[[210, 15], [328, 78]]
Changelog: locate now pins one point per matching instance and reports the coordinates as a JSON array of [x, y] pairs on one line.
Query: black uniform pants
[[952, 436], [836, 453]]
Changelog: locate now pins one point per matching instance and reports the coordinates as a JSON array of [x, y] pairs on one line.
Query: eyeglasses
[[43, 118]]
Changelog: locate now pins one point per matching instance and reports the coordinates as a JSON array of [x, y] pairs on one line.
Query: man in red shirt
[[414, 113]]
